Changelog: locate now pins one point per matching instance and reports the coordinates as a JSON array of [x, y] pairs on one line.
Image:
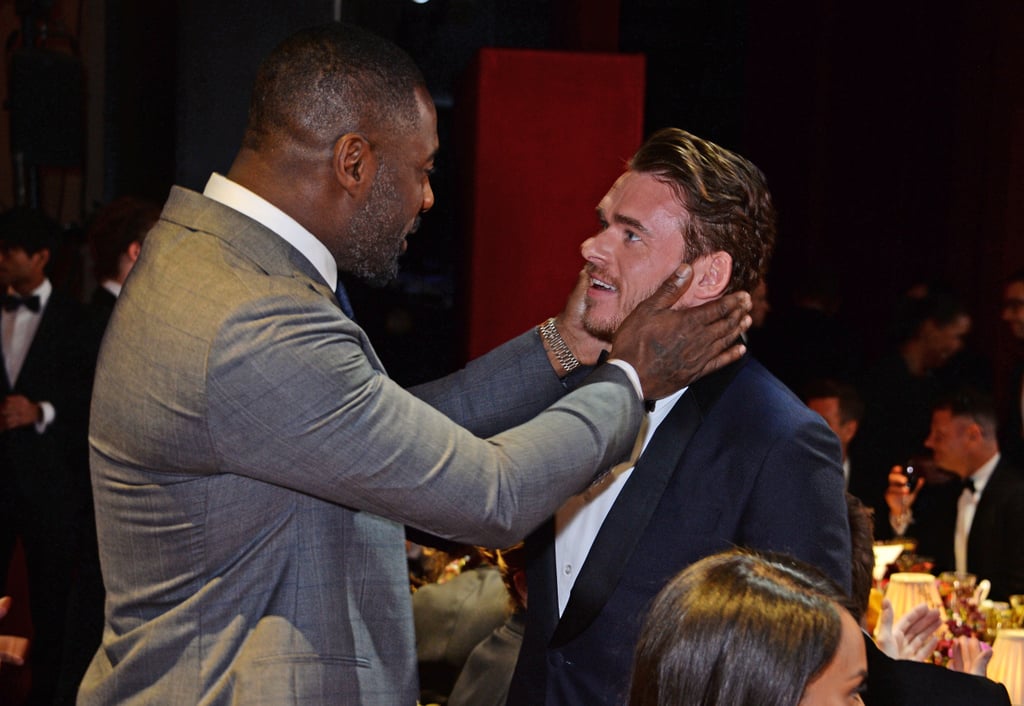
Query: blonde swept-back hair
[[725, 195]]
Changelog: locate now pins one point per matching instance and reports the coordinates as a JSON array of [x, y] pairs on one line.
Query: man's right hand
[[899, 496], [670, 346]]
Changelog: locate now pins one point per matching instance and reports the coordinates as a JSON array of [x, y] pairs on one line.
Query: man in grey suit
[[252, 463]]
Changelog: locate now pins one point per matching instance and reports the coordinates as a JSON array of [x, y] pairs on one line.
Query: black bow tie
[[968, 484], [11, 302]]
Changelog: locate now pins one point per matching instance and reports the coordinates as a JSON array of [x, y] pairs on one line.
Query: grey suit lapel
[[267, 249], [628, 519], [254, 241]]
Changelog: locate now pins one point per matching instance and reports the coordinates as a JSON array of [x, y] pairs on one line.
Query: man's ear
[[711, 275], [354, 163], [848, 430], [42, 257]]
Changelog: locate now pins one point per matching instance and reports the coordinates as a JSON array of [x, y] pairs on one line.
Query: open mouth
[[602, 285]]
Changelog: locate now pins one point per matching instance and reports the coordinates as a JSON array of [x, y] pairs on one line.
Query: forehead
[[1015, 291], [419, 143], [824, 405], [944, 419], [12, 248], [960, 325], [645, 198], [424, 138]]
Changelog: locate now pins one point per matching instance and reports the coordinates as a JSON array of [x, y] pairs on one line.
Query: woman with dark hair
[[739, 628]]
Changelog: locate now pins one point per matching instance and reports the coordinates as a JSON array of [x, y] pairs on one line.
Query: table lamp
[[908, 590], [1007, 665]]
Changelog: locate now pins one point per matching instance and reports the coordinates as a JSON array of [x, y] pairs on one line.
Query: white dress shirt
[[112, 286], [965, 508], [579, 520], [236, 196]]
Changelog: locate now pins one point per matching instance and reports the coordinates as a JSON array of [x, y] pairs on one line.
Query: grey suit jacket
[[253, 466]]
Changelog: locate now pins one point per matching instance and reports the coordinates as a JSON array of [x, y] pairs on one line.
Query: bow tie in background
[[11, 302]]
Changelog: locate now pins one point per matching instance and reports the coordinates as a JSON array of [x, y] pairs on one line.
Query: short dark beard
[[376, 234]]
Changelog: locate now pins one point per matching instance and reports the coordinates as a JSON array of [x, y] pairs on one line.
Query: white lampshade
[[1007, 665], [885, 554], [906, 591]]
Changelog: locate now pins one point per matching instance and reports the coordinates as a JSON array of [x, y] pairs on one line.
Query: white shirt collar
[[112, 286], [982, 475], [235, 196]]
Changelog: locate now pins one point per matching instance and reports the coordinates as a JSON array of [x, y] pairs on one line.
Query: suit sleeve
[[508, 386], [331, 425], [800, 486]]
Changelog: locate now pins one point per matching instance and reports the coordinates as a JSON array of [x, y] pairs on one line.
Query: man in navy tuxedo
[[735, 459], [973, 523]]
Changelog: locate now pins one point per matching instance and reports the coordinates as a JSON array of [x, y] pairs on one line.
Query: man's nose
[[595, 248], [428, 198]]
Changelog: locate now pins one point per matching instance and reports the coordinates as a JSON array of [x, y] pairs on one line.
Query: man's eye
[[631, 236]]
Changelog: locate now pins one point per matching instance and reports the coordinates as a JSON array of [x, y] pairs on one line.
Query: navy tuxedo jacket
[[739, 461], [994, 547]]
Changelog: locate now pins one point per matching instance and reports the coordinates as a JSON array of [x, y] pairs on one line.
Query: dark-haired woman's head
[[745, 629]]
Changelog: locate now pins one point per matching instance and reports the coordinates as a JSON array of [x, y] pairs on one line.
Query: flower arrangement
[[965, 619], [971, 626]]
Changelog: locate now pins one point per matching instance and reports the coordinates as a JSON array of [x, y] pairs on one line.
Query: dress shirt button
[[567, 569]]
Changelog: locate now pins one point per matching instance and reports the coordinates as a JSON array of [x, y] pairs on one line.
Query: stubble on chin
[[603, 329]]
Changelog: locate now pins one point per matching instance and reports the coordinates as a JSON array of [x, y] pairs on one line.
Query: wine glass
[[901, 520]]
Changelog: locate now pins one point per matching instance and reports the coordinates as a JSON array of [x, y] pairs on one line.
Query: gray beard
[[375, 235]]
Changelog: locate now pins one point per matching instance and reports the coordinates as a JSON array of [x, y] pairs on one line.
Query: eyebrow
[[624, 220]]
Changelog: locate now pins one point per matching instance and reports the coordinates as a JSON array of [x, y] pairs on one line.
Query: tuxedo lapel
[[980, 537], [633, 509], [6, 389], [540, 573], [38, 357], [267, 249]]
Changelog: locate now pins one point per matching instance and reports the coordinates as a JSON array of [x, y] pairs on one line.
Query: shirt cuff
[[630, 373], [49, 414]]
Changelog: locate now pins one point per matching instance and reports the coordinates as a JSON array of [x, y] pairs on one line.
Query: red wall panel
[[545, 135]]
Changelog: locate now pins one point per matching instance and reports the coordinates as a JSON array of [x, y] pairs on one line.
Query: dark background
[[891, 133]]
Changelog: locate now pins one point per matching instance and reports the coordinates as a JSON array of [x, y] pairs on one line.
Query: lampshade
[[906, 591], [1007, 665], [885, 554]]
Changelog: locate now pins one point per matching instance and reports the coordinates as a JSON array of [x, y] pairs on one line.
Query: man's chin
[[600, 329], [379, 276], [380, 279]]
